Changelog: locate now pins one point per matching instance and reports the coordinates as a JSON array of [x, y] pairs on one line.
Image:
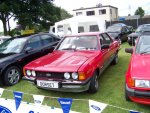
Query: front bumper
[[138, 96], [65, 86]]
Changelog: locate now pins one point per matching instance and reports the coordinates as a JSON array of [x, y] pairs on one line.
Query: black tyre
[[126, 96], [115, 60], [94, 85], [12, 75]]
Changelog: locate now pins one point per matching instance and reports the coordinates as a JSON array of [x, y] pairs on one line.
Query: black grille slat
[[55, 75]]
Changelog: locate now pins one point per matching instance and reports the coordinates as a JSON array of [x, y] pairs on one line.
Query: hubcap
[[13, 76]]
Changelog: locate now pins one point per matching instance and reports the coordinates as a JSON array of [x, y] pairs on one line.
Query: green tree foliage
[[140, 12], [31, 13], [37, 13], [65, 14], [5, 13]]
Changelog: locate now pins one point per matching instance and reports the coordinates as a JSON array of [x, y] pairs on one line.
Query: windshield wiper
[[68, 49]]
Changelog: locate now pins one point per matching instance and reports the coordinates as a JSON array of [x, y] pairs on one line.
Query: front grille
[[55, 75]]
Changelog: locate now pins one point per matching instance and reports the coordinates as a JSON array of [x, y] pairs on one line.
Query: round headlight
[[28, 72], [75, 75], [33, 73], [66, 75]]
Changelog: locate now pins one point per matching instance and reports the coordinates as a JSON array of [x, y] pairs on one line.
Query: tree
[[140, 12], [65, 14], [29, 13], [5, 13]]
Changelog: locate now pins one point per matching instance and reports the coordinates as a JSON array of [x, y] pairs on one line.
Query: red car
[[137, 86], [75, 64]]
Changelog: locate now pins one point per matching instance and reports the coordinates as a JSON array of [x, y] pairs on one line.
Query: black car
[[140, 30], [18, 51], [118, 32]]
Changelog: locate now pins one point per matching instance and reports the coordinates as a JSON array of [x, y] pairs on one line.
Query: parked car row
[[118, 32], [140, 30], [123, 32], [76, 62]]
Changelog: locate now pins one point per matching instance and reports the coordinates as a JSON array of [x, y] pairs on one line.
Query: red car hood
[[140, 67], [61, 61]]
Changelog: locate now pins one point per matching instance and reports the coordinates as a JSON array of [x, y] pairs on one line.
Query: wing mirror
[[28, 49], [129, 50], [105, 46]]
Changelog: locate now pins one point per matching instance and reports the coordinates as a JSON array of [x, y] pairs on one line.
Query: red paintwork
[[140, 100], [139, 68], [86, 61]]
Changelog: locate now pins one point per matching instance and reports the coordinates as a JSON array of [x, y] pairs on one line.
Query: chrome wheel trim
[[13, 76]]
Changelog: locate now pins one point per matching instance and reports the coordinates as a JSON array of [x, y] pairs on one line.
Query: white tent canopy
[[84, 21]]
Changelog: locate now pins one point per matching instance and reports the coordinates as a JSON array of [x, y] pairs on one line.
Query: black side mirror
[[105, 46], [129, 50], [28, 49]]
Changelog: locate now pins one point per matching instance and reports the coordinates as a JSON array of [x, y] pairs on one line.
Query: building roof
[[95, 7]]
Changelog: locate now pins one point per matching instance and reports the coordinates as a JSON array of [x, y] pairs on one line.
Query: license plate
[[47, 84]]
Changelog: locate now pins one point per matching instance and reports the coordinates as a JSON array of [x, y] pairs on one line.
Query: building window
[[94, 28], [103, 11], [89, 13], [80, 29], [110, 11], [78, 13]]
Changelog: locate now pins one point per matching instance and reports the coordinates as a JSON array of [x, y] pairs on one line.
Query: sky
[[125, 7]]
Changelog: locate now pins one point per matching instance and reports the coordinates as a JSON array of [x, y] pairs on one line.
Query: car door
[[124, 33], [109, 53], [103, 54], [32, 50], [48, 43]]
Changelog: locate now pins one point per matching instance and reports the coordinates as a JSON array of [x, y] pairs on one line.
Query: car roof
[[144, 24], [33, 34], [146, 33], [85, 33], [119, 24]]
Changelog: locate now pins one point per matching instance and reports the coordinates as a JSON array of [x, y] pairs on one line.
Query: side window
[[47, 39], [101, 39], [34, 42], [80, 29], [94, 28], [107, 39], [125, 30]]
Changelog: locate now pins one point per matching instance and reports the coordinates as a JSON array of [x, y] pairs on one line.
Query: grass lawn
[[111, 90]]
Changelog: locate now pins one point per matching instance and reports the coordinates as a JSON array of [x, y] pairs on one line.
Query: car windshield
[[143, 28], [143, 46], [114, 29], [14, 45], [79, 43]]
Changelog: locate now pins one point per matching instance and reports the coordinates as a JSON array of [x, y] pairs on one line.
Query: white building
[[108, 13]]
